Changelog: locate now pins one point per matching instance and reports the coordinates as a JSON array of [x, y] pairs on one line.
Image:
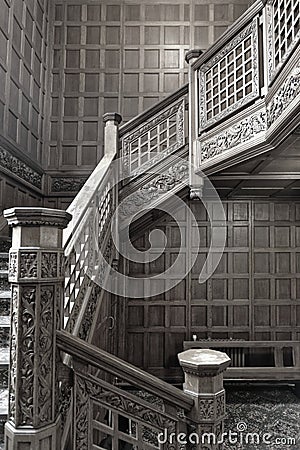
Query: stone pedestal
[[203, 370], [37, 278]]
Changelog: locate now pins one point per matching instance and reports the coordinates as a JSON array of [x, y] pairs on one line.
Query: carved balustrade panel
[[283, 30], [230, 79], [109, 417], [154, 139]]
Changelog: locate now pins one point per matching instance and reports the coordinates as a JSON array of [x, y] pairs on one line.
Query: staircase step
[[3, 403]]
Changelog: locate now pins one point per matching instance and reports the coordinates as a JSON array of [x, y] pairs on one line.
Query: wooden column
[[203, 370], [36, 274]]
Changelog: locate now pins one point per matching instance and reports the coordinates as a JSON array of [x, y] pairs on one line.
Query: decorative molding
[[163, 183], [243, 131], [250, 30], [19, 168], [284, 96], [35, 217], [67, 184]]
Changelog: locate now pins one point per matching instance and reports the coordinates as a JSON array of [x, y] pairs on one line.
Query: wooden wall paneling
[[120, 56], [23, 66], [253, 294]]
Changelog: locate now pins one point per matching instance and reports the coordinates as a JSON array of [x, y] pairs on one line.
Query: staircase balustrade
[[243, 98], [155, 134]]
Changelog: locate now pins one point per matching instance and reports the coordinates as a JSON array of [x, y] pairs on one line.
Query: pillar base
[[47, 438]]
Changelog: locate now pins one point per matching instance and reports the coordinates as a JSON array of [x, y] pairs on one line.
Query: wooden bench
[[257, 360]]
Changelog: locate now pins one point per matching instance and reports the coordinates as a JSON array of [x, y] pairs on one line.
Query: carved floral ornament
[[35, 264], [285, 95], [19, 168], [237, 134], [159, 186]]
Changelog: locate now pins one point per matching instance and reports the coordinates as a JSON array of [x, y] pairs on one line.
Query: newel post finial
[[36, 275], [203, 370], [111, 132]]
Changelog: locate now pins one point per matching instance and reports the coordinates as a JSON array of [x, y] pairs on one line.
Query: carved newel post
[[203, 370], [36, 274], [111, 132]]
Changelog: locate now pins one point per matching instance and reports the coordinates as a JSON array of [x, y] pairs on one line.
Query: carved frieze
[[67, 184], [243, 131], [289, 90], [19, 168], [163, 183]]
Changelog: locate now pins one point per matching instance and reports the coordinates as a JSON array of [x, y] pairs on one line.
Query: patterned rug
[[272, 413]]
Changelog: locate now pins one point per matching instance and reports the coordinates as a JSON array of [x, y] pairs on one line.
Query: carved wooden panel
[[253, 294], [120, 56]]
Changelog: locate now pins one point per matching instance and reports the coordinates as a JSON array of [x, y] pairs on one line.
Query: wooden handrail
[[102, 360], [150, 112], [83, 199]]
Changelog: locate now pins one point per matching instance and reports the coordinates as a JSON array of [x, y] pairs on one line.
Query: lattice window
[[158, 137], [230, 78], [286, 27]]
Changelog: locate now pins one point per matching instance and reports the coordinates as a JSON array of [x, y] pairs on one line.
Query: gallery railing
[[245, 88], [155, 134]]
